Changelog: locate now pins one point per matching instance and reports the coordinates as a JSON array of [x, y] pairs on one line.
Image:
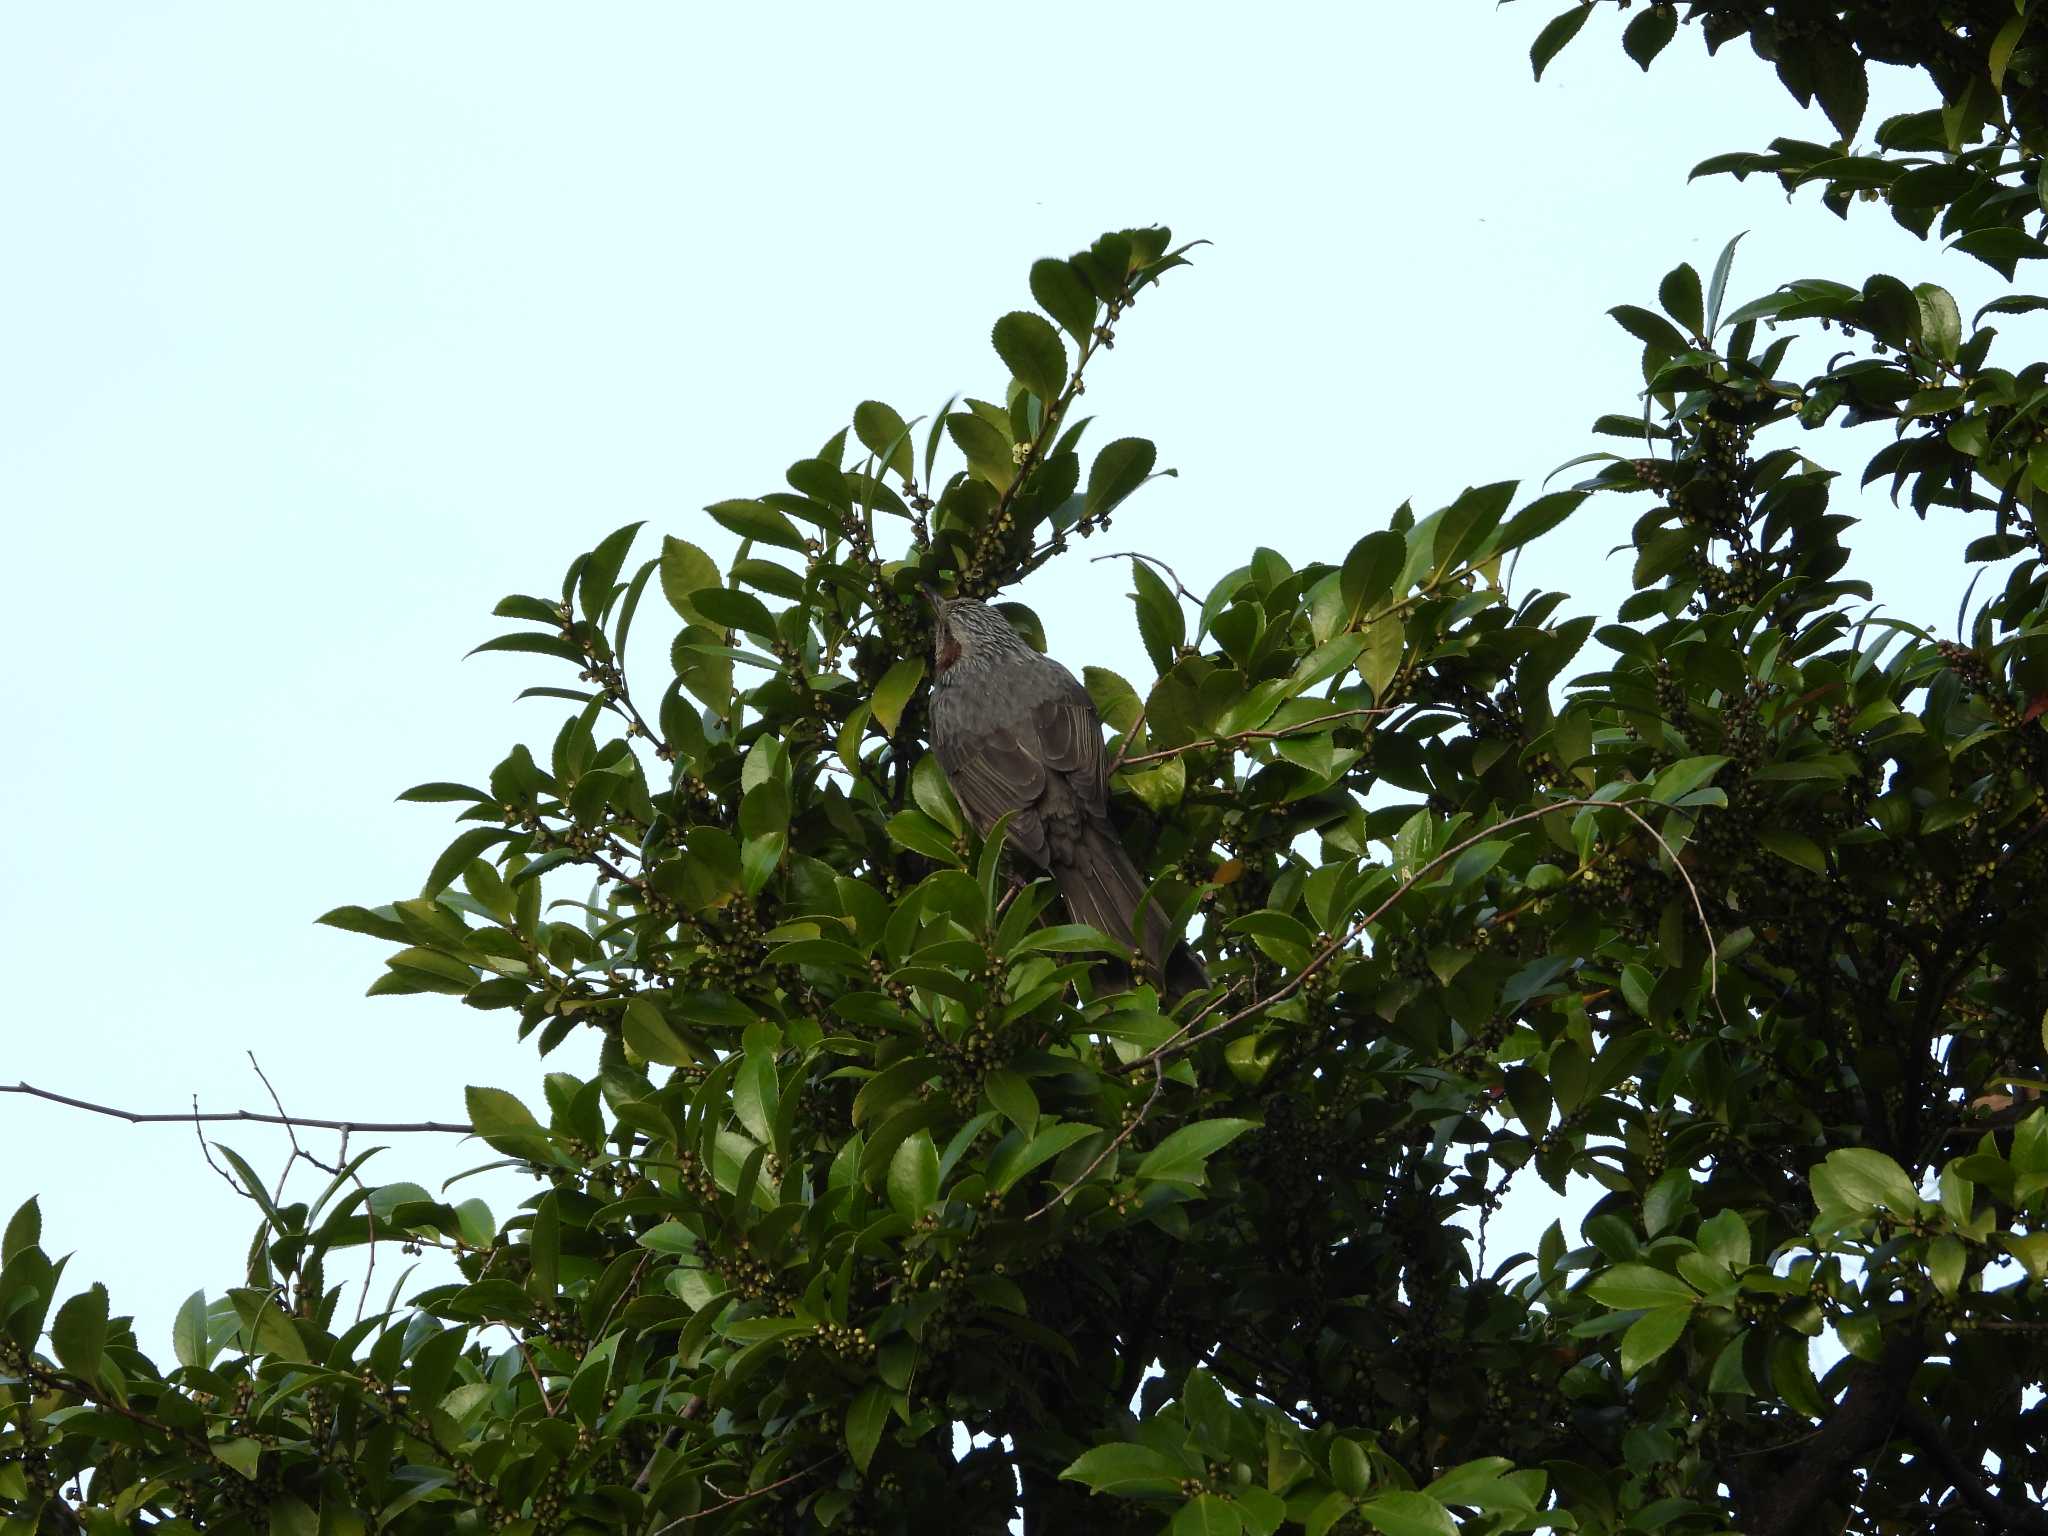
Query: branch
[[1132, 554], [1158, 1083], [1859, 1425], [1231, 740], [1999, 1514], [712, 1509], [188, 1117]]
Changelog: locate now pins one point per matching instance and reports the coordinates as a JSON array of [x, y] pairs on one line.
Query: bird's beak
[[931, 594]]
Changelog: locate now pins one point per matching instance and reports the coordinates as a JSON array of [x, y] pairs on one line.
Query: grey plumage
[[1015, 733]]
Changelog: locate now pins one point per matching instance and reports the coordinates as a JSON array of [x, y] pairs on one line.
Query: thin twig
[[1238, 736], [134, 1117], [742, 1498], [1124, 745], [1158, 1084], [669, 1440], [369, 1217], [1132, 554], [297, 1150], [539, 1385], [195, 1117]]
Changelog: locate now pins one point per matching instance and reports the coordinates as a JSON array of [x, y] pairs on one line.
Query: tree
[[1742, 923]]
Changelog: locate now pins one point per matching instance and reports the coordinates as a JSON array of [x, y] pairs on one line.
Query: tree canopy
[[879, 1216]]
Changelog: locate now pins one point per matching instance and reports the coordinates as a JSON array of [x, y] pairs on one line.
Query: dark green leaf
[[1031, 350], [1119, 469], [1558, 31]]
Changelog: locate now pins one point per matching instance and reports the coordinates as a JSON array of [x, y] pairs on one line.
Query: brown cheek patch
[[949, 651]]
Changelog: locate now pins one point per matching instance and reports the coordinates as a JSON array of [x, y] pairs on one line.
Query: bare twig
[[1239, 736], [204, 1150], [753, 1493], [1132, 554], [538, 1385], [1158, 1084], [668, 1442], [297, 1150], [1124, 746], [369, 1217], [194, 1117]]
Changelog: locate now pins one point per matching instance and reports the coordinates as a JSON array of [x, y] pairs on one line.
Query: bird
[[1016, 734]]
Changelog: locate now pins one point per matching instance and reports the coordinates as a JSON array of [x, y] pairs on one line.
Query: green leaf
[[1946, 1259], [24, 1230], [456, 857], [1725, 1236], [1717, 285], [1558, 31], [1537, 519], [601, 571], [1628, 1286], [1861, 1179], [2000, 55], [1408, 1514], [1369, 571], [1380, 661], [1062, 293], [866, 1418], [758, 521], [1679, 779], [1679, 293], [1471, 866], [883, 433], [892, 693], [1941, 322], [649, 1034], [1119, 469], [1349, 1468], [1161, 788], [1644, 38], [1263, 1513], [1031, 350], [189, 1338], [920, 834], [1180, 1157], [1134, 1470], [1021, 1157], [1651, 1335], [1794, 848], [1161, 623], [728, 608], [1840, 83], [505, 1123], [533, 645], [1011, 1093], [685, 571], [1207, 1514], [914, 1176], [241, 1453], [1729, 1373], [1650, 328], [1481, 1484], [80, 1332]]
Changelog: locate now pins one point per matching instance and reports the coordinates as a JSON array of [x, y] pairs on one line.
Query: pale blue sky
[[321, 328]]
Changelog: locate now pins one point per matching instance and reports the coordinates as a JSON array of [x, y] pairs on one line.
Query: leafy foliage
[[1741, 924]]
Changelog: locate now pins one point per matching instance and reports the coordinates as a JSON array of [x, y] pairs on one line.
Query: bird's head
[[968, 633]]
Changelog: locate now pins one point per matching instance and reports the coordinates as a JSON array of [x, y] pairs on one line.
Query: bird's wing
[[1070, 744], [993, 774]]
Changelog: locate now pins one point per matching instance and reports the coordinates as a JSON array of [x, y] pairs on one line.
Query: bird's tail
[[1102, 888]]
